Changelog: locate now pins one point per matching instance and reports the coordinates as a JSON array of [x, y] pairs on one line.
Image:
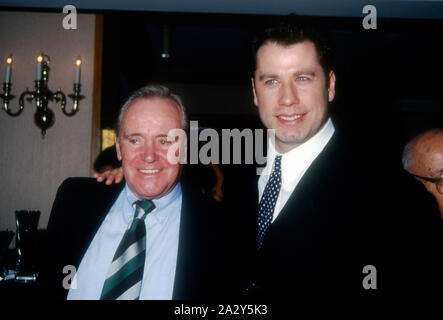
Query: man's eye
[[302, 78], [134, 141], [270, 82], [164, 142]]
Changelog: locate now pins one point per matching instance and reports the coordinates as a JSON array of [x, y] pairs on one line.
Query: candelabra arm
[[76, 97], [21, 100], [6, 97], [59, 96]]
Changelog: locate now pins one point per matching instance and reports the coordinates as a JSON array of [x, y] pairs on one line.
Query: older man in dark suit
[[150, 238]]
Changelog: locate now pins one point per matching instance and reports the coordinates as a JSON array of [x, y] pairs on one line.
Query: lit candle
[[78, 63], [8, 69], [39, 67]]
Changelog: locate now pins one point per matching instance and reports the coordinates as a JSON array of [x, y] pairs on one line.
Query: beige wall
[[32, 168]]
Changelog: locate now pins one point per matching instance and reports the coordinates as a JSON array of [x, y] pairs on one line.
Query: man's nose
[[288, 94], [149, 154]]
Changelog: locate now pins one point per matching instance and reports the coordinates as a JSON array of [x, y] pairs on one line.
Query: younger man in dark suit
[[327, 223]]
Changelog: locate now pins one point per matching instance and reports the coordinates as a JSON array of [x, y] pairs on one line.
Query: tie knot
[[143, 207]]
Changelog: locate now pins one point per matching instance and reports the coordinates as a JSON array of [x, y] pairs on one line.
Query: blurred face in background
[[427, 161]]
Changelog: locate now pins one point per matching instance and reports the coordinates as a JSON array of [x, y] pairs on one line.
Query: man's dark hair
[[293, 29]]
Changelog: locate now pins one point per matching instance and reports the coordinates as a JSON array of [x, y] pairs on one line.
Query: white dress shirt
[[162, 231], [294, 164]]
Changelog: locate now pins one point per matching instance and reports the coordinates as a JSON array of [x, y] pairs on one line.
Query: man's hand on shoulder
[[110, 176]]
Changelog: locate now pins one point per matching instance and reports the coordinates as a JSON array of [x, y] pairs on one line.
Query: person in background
[[423, 159], [107, 160]]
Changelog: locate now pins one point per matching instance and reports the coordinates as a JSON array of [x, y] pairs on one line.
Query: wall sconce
[[44, 117]]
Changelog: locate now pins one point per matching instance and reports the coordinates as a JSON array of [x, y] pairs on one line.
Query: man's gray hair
[[149, 92], [406, 158]]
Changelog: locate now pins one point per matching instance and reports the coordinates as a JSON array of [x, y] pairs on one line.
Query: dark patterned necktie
[[124, 278], [268, 200]]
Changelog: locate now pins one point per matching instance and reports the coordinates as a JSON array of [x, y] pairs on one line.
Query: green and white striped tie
[[124, 278]]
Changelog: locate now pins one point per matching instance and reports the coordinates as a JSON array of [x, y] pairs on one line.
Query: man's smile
[[149, 171], [290, 118]]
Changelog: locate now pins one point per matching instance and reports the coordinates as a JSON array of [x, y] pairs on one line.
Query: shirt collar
[[295, 162], [159, 214]]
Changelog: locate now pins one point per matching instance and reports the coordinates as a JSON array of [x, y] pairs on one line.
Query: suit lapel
[[99, 205], [302, 200], [201, 256]]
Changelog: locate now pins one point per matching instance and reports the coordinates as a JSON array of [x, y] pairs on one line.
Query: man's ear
[[253, 91], [331, 89], [117, 148]]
